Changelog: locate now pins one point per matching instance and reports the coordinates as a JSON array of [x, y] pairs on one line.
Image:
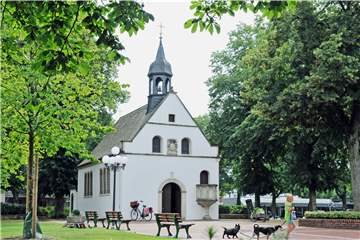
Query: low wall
[[233, 216], [330, 223]]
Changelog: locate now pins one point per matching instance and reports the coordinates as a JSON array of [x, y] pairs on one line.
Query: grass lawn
[[55, 230]]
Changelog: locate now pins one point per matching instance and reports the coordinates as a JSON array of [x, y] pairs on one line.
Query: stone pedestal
[[206, 195]]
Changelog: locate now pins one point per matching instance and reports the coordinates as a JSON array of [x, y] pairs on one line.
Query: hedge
[[232, 209], [333, 214], [12, 209], [224, 209], [17, 209], [236, 209]]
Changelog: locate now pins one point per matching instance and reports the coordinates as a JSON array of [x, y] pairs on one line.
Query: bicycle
[[145, 214]]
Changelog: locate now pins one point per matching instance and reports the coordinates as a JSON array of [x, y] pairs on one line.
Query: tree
[[207, 13], [285, 114], [321, 69], [15, 183], [57, 175], [289, 93], [49, 98], [231, 121]]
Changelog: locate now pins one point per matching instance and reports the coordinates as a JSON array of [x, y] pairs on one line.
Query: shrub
[[12, 209], [66, 212], [211, 231], [76, 212], [333, 215], [259, 211], [50, 211], [42, 211], [236, 209], [224, 209]]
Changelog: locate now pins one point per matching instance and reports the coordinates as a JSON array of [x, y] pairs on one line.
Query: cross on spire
[[161, 30]]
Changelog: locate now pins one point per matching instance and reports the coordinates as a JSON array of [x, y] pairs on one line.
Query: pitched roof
[[126, 129]]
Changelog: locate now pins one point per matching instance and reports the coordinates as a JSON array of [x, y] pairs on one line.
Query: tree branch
[[3, 14], [65, 41], [72, 27], [23, 117]]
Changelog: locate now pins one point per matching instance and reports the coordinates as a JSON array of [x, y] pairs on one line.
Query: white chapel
[[170, 166]]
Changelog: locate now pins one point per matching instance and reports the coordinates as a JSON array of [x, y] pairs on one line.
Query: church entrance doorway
[[171, 198]]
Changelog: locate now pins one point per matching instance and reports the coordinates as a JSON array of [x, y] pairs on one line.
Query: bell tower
[[159, 78]]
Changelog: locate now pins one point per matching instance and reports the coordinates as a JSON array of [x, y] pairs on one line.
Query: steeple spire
[[159, 77], [160, 65]]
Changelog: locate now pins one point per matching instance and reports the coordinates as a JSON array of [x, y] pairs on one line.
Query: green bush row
[[13, 209], [231, 209], [333, 214], [49, 211], [224, 209]]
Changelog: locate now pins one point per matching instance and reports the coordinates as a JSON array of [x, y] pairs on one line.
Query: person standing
[[288, 214]]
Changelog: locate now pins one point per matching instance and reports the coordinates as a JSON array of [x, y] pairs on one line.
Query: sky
[[188, 53]]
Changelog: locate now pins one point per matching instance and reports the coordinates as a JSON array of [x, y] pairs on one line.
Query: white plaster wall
[[141, 180], [142, 143], [144, 174], [97, 202], [172, 105], [145, 171]]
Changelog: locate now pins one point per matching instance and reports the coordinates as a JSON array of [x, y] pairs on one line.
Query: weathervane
[[161, 30]]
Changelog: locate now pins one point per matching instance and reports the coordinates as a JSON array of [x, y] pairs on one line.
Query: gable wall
[[172, 105], [143, 141], [183, 127]]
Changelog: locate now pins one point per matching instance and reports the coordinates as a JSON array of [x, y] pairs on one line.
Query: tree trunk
[[59, 206], [312, 198], [29, 172], [34, 206], [354, 155], [273, 204], [238, 197], [342, 195], [343, 200], [257, 200], [15, 194]]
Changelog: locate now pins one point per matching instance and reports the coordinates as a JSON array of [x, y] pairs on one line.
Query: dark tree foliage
[[284, 97], [57, 176]]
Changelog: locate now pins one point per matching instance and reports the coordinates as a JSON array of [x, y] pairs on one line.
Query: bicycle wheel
[[148, 217], [134, 214]]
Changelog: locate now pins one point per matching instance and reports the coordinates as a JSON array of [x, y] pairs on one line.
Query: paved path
[[198, 231]]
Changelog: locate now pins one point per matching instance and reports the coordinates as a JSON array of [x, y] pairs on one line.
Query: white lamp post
[[114, 162]]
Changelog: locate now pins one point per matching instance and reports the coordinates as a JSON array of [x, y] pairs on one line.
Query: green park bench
[[116, 218], [171, 219], [93, 216]]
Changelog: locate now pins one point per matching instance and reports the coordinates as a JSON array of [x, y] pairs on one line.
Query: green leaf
[[188, 23], [194, 27], [84, 68]]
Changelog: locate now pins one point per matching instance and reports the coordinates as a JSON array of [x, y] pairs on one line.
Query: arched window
[[185, 146], [167, 85], [204, 177], [151, 87], [156, 144], [159, 86]]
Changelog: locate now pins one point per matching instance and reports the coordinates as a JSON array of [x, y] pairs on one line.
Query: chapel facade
[[171, 166]]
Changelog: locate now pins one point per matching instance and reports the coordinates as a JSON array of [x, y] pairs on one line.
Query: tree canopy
[[287, 90], [55, 56]]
